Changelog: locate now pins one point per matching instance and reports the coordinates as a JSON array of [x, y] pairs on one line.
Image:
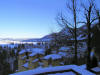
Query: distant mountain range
[[80, 33]]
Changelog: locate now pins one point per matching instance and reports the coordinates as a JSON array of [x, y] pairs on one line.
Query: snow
[[25, 65], [62, 53], [96, 69], [22, 51], [46, 39], [83, 66], [53, 56], [33, 50], [65, 73], [36, 51], [91, 54], [82, 71], [39, 70], [35, 60], [43, 70], [15, 50], [33, 54], [64, 49]]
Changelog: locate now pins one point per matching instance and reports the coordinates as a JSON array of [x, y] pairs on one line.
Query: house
[[35, 57], [33, 64], [29, 58], [22, 58], [52, 59]]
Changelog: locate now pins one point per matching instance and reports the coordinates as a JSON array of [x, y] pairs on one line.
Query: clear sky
[[29, 18]]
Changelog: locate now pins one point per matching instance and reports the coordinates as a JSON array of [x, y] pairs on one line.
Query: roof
[[62, 53], [64, 48], [24, 50], [33, 50], [26, 65], [53, 56], [35, 60], [36, 51]]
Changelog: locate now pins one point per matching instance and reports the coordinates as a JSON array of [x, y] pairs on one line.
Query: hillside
[[64, 32]]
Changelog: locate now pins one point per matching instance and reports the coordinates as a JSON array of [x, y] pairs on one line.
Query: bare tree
[[90, 19], [63, 21], [74, 14], [98, 17], [96, 35]]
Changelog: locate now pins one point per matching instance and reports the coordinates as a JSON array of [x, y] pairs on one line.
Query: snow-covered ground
[[79, 69], [96, 69], [64, 73]]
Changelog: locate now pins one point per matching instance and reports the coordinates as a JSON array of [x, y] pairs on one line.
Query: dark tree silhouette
[[63, 21], [90, 19]]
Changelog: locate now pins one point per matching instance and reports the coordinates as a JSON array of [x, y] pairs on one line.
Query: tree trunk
[[75, 32], [89, 46]]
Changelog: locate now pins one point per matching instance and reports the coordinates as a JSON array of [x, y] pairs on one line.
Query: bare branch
[[93, 20], [81, 22], [68, 6], [84, 7]]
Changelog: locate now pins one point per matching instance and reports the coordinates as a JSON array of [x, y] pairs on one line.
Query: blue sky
[[29, 18]]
